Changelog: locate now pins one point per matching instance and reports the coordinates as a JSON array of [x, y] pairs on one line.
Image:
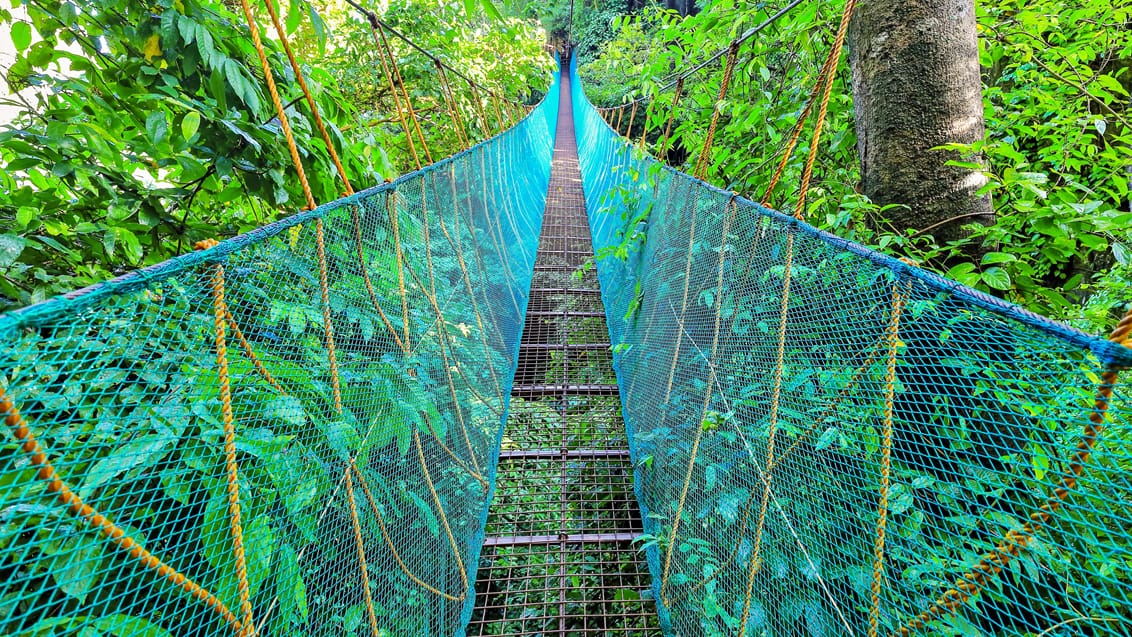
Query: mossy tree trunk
[[916, 86]]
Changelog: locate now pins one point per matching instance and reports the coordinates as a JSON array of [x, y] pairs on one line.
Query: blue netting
[[757, 413]]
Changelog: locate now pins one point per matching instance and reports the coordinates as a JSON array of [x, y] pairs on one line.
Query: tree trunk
[[916, 86]]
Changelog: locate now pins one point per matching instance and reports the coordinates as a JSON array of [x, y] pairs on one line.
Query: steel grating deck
[[558, 558]]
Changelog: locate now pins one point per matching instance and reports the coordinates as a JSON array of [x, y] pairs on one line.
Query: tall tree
[[916, 86]]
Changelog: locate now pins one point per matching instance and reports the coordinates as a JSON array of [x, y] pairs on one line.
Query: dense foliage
[[146, 128], [1056, 90]]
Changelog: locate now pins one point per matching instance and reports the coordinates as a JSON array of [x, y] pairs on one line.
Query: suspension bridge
[[551, 386]]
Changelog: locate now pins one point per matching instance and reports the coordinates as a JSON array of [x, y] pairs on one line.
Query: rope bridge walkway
[[558, 557], [405, 412]]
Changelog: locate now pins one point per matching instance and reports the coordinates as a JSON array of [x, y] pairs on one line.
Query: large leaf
[[142, 452]]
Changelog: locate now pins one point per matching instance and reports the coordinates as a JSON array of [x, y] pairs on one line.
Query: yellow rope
[[404, 92], [392, 209], [709, 139], [328, 327], [392, 549], [361, 553], [671, 118], [440, 511], [892, 338], [98, 522], [729, 213], [220, 313], [249, 352], [453, 109], [381, 54], [775, 402], [632, 116]]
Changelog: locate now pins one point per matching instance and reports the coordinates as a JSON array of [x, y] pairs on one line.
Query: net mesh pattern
[[752, 353], [120, 387]]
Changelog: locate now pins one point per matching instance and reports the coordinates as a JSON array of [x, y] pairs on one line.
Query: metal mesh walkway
[[559, 558]]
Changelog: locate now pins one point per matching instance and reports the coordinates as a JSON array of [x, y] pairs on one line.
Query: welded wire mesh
[[753, 354], [361, 519]]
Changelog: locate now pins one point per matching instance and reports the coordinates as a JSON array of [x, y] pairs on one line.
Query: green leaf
[[190, 124], [288, 409], [21, 35], [289, 586], [10, 248], [126, 626], [77, 566], [259, 542], [489, 7], [136, 453], [996, 278], [156, 126]]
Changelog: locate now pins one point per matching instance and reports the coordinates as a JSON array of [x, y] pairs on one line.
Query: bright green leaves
[[11, 245], [290, 588], [241, 84], [189, 125], [21, 35]]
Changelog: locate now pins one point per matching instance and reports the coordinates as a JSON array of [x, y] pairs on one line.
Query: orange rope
[[220, 313], [728, 215], [834, 57], [671, 118], [381, 53], [392, 209], [453, 109], [709, 139], [645, 130], [94, 520], [392, 549], [404, 92], [249, 352], [992, 563], [282, 33], [893, 338], [440, 511], [632, 116], [328, 327], [361, 553]]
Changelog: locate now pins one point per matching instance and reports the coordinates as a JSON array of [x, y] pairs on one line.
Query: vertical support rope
[[645, 128], [671, 118], [361, 552], [220, 312], [392, 549], [992, 563], [709, 139], [440, 511], [404, 91], [453, 109], [292, 145], [776, 400], [391, 208], [620, 114], [632, 116], [892, 338], [382, 51]]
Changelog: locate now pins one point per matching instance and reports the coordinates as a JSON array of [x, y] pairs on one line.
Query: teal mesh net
[[761, 422], [130, 532]]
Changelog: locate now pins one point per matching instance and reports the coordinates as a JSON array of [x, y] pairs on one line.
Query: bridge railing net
[[772, 422], [361, 514]]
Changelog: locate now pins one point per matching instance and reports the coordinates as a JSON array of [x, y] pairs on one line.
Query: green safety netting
[[761, 423], [378, 503]]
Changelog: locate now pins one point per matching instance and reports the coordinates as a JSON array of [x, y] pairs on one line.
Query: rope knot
[[205, 244]]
